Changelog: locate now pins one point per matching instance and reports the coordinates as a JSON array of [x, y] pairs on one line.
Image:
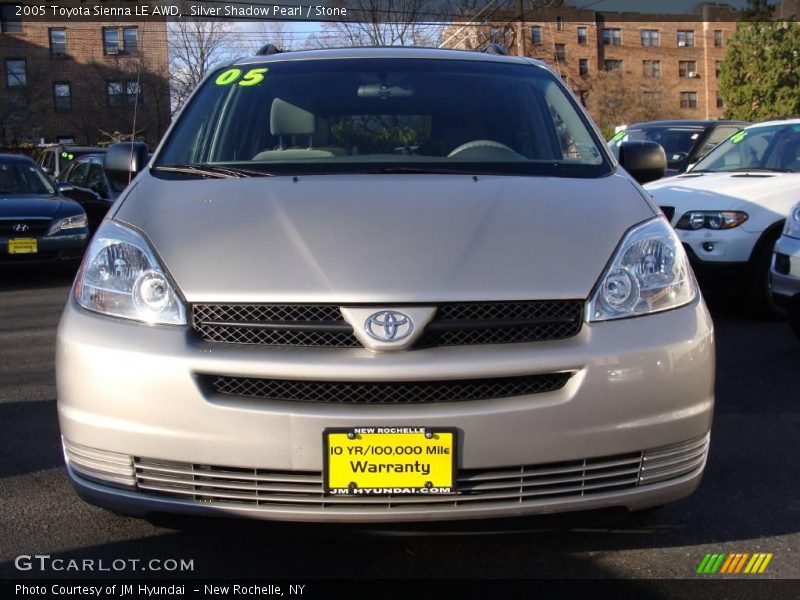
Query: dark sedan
[[85, 181], [685, 142], [37, 224]]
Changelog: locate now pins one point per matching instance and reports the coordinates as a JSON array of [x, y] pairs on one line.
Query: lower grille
[[415, 392], [107, 467], [226, 486]]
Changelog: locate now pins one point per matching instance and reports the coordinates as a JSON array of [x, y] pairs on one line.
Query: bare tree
[[382, 23], [277, 33], [478, 23], [195, 47], [619, 99]]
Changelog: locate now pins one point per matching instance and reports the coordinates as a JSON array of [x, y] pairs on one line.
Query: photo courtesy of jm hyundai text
[[375, 285]]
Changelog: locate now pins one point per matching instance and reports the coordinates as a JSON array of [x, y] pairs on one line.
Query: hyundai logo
[[388, 326], [20, 227]]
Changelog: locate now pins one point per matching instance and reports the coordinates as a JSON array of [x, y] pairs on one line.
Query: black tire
[[760, 298]]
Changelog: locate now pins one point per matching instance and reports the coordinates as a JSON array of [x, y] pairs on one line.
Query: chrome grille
[[404, 392], [38, 226], [454, 324], [501, 485], [108, 467]]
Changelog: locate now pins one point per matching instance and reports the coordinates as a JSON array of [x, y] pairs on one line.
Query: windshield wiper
[[216, 171]]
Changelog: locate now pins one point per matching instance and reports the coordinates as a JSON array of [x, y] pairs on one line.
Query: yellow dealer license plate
[[23, 246], [372, 461]]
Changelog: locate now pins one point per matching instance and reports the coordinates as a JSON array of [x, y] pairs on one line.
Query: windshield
[[23, 177], [677, 142], [770, 148], [372, 115]]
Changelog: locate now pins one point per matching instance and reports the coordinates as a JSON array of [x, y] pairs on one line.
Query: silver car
[[384, 285]]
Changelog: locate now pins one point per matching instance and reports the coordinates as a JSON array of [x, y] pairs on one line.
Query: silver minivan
[[384, 285]]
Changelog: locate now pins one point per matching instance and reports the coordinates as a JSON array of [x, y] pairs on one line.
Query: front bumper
[[51, 249], [642, 391], [786, 276]]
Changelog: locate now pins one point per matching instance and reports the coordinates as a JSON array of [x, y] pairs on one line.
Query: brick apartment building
[[76, 80], [673, 60]]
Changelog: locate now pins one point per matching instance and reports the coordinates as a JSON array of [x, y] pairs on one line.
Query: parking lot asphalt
[[748, 501]]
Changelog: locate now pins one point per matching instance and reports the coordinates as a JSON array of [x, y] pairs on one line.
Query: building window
[[651, 68], [582, 35], [651, 97], [612, 64], [685, 38], [650, 37], [121, 93], [582, 94], [718, 38], [583, 67], [612, 37], [720, 101], [130, 40], [688, 99], [536, 35], [718, 68], [58, 41], [114, 93], [561, 53], [62, 96], [16, 73], [559, 24], [132, 92], [687, 68], [9, 21], [120, 40]]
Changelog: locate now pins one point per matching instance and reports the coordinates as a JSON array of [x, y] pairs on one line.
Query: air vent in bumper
[[401, 392]]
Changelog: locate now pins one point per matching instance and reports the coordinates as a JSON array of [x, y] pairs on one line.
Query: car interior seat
[[290, 124]]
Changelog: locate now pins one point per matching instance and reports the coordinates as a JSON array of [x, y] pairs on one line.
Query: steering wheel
[[479, 145]]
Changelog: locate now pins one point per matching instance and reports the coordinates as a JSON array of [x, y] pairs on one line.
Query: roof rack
[[495, 49], [268, 49]]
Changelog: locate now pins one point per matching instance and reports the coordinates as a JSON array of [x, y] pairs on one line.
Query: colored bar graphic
[[734, 563]]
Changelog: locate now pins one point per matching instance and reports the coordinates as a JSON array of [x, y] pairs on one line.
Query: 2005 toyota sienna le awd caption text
[[384, 285]]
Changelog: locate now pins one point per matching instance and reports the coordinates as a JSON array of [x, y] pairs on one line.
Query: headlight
[[792, 227], [711, 219], [649, 273], [73, 222], [120, 276]]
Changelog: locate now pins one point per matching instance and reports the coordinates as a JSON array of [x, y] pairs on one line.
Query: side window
[[78, 174], [96, 181], [719, 135]]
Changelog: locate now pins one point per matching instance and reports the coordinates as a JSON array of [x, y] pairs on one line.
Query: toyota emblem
[[388, 326]]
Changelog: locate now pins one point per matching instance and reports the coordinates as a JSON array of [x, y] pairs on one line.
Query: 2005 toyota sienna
[[384, 285]]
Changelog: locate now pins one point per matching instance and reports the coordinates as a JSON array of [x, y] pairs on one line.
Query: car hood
[[384, 238], [35, 206], [724, 191]]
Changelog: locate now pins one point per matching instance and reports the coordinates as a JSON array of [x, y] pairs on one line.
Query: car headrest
[[288, 119]]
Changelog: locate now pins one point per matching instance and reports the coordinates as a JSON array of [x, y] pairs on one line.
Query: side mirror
[[645, 161], [123, 161], [65, 189]]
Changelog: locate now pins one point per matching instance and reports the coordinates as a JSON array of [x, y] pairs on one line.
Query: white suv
[[730, 208]]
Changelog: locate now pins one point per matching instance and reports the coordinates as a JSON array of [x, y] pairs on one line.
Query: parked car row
[[47, 221], [730, 197]]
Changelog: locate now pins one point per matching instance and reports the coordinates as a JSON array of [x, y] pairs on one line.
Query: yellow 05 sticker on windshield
[[250, 78]]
